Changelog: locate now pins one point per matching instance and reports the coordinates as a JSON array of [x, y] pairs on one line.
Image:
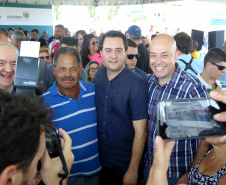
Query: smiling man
[[169, 81], [8, 56], [121, 99], [73, 102]]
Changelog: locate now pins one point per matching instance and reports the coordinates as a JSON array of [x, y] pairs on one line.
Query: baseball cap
[[134, 30]]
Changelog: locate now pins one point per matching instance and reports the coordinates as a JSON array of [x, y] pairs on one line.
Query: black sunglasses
[[132, 56], [93, 43], [221, 68], [47, 57]]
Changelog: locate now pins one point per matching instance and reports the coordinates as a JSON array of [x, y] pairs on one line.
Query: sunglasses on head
[[46, 57], [221, 68], [132, 56], [93, 43]]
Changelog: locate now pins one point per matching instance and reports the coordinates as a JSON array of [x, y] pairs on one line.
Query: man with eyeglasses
[[134, 33], [132, 56], [214, 68]]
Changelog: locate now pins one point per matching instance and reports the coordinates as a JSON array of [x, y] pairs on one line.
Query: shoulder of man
[[87, 86], [195, 88]]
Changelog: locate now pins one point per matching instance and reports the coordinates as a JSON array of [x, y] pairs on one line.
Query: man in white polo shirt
[[214, 68]]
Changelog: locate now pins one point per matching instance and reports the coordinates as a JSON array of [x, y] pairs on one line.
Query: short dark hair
[[67, 51], [60, 26], [69, 41], [82, 32], [131, 43], [183, 42], [22, 120], [215, 55], [153, 36], [10, 29], [114, 34], [35, 30]]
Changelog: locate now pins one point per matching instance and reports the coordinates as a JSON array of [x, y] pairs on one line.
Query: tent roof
[[95, 2]]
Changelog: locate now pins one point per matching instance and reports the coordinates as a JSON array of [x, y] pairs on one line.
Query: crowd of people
[[103, 93]]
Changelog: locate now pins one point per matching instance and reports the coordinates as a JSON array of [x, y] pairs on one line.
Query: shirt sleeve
[[139, 100]]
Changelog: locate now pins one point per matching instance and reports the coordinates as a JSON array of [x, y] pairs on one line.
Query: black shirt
[[42, 42], [143, 60]]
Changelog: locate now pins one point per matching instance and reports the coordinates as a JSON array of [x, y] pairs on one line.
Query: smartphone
[[189, 118]]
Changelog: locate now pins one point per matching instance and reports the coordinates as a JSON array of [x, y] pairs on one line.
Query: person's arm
[[51, 167], [158, 171], [201, 151], [131, 176]]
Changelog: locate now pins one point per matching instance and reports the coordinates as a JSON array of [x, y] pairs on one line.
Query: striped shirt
[[78, 118], [181, 85]]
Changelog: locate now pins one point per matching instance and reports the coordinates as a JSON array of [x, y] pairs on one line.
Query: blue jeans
[[84, 180]]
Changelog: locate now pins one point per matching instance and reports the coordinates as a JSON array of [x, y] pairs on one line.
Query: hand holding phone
[[189, 118]]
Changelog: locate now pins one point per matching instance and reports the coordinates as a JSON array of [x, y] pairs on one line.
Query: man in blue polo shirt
[[121, 101], [73, 102]]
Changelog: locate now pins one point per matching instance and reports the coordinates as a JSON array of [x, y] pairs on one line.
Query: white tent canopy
[[95, 2]]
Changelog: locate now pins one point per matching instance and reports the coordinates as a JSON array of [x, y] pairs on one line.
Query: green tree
[[113, 12], [57, 11], [92, 12]]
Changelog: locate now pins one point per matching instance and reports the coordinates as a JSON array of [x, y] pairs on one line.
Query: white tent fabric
[[94, 2]]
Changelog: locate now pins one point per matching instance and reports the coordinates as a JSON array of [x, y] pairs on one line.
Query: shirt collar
[[54, 91]]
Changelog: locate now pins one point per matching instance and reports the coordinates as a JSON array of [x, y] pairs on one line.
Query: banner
[[25, 16]]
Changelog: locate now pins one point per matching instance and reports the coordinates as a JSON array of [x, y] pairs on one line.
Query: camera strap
[[61, 155], [188, 65]]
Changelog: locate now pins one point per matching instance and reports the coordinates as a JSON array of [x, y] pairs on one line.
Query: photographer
[[23, 121]]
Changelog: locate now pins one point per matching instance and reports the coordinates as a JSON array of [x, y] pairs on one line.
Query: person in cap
[[134, 33]]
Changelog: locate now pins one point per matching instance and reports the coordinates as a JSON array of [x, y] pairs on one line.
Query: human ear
[[11, 175]]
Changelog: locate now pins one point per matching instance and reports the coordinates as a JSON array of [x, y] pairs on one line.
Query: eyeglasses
[[132, 56], [94, 69], [93, 43], [221, 68], [46, 57]]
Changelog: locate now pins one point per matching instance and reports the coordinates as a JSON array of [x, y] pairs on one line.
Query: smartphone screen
[[189, 118]]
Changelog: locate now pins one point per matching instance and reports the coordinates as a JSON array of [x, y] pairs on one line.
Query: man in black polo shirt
[[121, 102], [134, 33], [35, 35]]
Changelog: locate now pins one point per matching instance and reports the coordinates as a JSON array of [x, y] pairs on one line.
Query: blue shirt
[[78, 118], [197, 65], [181, 85], [118, 102]]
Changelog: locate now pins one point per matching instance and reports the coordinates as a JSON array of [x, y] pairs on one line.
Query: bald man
[[169, 81]]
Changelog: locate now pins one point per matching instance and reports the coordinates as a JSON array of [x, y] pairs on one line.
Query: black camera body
[[52, 141]]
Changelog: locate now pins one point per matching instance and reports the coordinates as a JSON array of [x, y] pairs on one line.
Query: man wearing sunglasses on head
[[132, 56], [214, 68]]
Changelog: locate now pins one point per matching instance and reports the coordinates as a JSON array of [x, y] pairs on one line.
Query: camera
[[189, 118], [52, 141]]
